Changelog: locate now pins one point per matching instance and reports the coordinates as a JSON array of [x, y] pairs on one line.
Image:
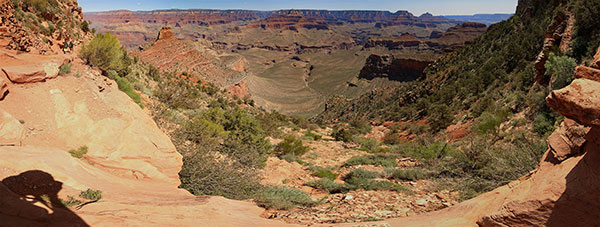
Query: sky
[[417, 7]]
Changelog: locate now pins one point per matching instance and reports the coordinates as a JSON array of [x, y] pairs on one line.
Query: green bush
[[85, 26], [361, 174], [376, 160], [65, 69], [312, 136], [327, 185], [91, 194], [560, 69], [78, 153], [368, 144], [106, 53], [342, 135], [126, 87], [291, 145], [71, 201], [325, 173], [406, 174], [283, 198]]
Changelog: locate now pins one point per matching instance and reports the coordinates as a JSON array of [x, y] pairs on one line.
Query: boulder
[[568, 140], [11, 130], [582, 72], [579, 101], [31, 73]]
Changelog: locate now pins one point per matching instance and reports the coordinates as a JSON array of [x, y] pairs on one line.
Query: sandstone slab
[[31, 73], [579, 101], [582, 72]]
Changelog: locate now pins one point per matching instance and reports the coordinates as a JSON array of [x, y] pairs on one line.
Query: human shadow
[[579, 205], [31, 199]]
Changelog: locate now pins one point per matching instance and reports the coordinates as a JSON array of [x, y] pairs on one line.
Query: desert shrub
[[440, 116], [106, 53], [177, 93], [65, 69], [406, 174], [203, 174], [283, 198], [424, 152], [325, 173], [70, 202], [376, 160], [342, 135], [126, 87], [327, 185], [361, 127], [312, 136], [361, 174], [291, 145], [560, 69], [488, 122], [78, 153], [367, 144], [91, 194], [85, 26]]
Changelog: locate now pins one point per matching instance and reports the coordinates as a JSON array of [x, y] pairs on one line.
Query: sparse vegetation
[[71, 202], [91, 194], [377, 160], [65, 68], [78, 153], [327, 185], [283, 198]]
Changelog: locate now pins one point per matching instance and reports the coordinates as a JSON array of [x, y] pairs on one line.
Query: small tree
[[105, 52], [560, 69], [291, 145]]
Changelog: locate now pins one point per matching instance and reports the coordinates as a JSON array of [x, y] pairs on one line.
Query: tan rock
[[582, 72], [11, 130], [579, 101], [31, 73]]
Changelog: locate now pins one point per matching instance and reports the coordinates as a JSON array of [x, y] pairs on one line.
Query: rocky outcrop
[[165, 33], [397, 69], [30, 73], [557, 34]]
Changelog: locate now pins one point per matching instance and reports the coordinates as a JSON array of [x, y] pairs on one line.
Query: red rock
[[567, 140], [165, 33], [582, 72], [596, 61], [579, 101], [3, 87], [31, 73]]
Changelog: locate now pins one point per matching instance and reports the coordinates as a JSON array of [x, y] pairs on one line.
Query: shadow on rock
[[31, 199], [579, 205]]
